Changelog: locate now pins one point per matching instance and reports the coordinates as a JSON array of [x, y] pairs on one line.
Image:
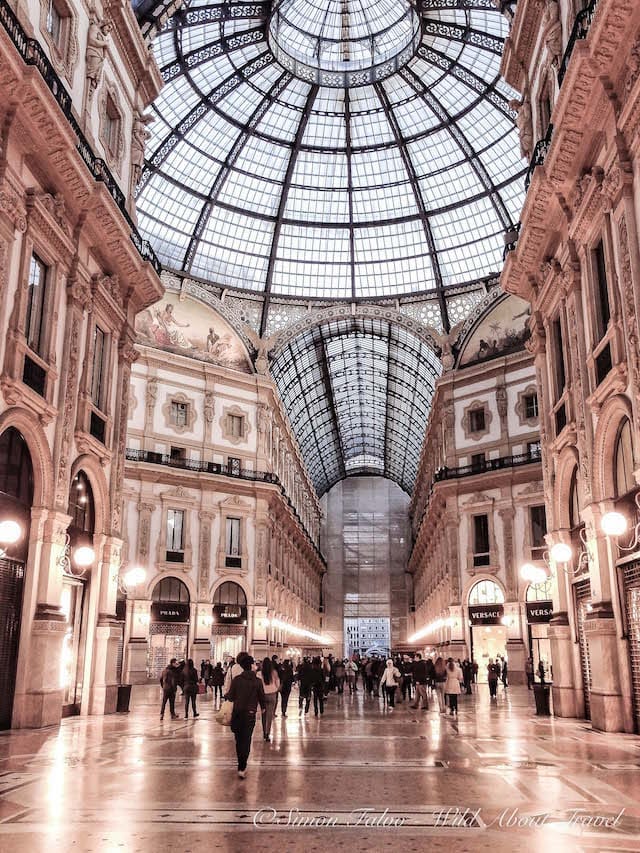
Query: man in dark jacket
[[286, 682], [246, 693], [305, 680], [169, 682], [420, 678]]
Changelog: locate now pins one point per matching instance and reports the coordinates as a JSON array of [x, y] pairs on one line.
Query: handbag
[[224, 713]]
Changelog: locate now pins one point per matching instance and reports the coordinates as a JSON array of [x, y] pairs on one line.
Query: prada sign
[[486, 614], [539, 611], [169, 611], [229, 614]]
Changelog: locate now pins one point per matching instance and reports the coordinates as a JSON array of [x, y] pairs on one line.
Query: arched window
[[623, 461], [230, 593], [81, 506], [170, 589], [486, 592], [16, 470], [540, 591]]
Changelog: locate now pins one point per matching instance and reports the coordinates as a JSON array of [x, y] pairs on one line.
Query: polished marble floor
[[359, 778]]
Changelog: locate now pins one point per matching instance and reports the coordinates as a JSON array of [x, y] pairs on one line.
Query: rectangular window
[[538, 518], [477, 462], [603, 309], [236, 426], [178, 454], [534, 449], [531, 406], [481, 550], [558, 357], [110, 126], [234, 466], [99, 368], [476, 420], [179, 413], [54, 22], [34, 325], [233, 537], [175, 530]]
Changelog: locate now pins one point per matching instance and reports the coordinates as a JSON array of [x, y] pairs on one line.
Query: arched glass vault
[[358, 392], [262, 176]]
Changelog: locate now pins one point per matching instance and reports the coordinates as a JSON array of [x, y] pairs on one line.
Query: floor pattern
[[358, 778]]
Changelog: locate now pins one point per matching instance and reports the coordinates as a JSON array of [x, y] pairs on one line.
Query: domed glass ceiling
[[375, 155]]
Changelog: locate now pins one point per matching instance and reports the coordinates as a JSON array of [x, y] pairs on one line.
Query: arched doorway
[[75, 593], [229, 627], [16, 498], [539, 609], [488, 634], [169, 626]]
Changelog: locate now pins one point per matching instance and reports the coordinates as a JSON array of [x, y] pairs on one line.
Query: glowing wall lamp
[[10, 533]]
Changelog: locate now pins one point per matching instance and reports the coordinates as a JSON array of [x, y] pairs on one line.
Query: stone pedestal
[[516, 656], [200, 650], [137, 651], [565, 700], [41, 704], [103, 695], [606, 700]]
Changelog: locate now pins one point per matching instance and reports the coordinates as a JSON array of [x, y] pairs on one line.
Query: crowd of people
[[249, 684]]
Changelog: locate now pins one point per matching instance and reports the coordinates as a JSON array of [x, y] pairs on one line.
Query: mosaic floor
[[359, 778]]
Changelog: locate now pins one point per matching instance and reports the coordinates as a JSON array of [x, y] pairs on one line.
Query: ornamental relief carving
[[630, 316], [68, 415], [578, 402]]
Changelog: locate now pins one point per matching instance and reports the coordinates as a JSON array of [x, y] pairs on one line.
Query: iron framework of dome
[[364, 162]]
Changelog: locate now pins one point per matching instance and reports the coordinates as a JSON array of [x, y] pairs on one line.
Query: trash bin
[[124, 697], [541, 693]]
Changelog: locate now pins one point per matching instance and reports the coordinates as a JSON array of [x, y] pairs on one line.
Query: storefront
[[76, 585], [16, 497], [539, 610], [631, 587], [229, 627], [169, 625], [582, 593], [488, 634]]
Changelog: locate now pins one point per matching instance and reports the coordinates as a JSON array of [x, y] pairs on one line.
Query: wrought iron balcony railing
[[32, 53], [481, 466]]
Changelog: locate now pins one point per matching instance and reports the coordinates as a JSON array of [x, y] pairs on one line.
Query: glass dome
[[263, 174]]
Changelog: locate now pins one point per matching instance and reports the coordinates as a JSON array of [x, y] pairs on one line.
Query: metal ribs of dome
[[358, 392], [258, 181]]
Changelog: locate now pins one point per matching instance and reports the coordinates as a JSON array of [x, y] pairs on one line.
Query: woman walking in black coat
[[190, 688]]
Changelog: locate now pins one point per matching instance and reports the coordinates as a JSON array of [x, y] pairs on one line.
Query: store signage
[[486, 614], [169, 611], [229, 614], [539, 611]]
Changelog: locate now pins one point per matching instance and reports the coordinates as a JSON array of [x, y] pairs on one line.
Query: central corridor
[[133, 783]]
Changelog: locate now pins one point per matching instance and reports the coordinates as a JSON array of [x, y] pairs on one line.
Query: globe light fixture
[[135, 576], [561, 552], [533, 574], [10, 532], [614, 523], [84, 556]]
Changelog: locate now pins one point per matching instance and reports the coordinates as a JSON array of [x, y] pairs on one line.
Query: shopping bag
[[224, 714], [202, 688]]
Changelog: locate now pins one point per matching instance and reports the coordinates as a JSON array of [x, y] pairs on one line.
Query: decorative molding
[[521, 408], [192, 415], [476, 405], [63, 51], [113, 152], [225, 424]]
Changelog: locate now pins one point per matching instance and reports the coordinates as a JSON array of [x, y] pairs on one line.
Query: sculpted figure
[[96, 51]]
